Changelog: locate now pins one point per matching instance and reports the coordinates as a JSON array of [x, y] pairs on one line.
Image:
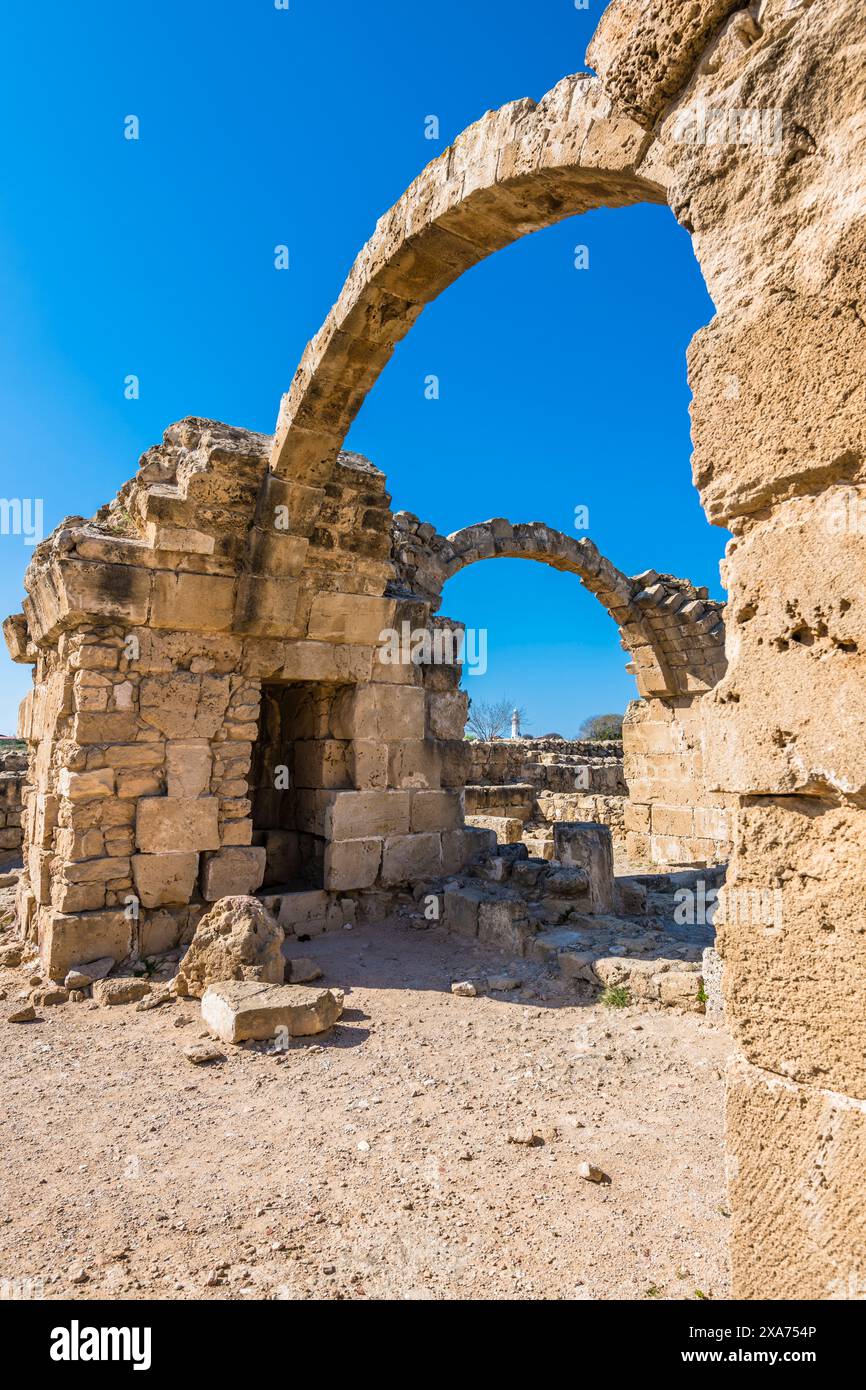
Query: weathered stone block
[[795, 1158], [361, 815], [65, 941], [407, 857], [166, 824], [233, 873], [188, 765], [162, 879], [236, 1011], [587, 846], [384, 713], [351, 864], [192, 602], [349, 618], [436, 810]]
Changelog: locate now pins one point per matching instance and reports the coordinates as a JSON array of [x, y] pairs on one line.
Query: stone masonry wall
[[671, 818], [13, 770]]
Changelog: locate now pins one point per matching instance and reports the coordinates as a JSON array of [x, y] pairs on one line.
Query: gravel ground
[[376, 1162]]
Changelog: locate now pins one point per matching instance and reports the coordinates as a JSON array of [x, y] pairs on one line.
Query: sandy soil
[[374, 1162]]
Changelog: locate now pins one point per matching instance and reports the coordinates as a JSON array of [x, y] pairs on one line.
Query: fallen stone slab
[[82, 976], [12, 954], [238, 1010], [301, 970], [125, 989]]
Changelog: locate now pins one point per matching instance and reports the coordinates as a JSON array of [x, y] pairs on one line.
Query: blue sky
[[558, 387]]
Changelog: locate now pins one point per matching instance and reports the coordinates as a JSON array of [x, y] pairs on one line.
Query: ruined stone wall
[[151, 650], [13, 771], [671, 817], [762, 153], [549, 764]]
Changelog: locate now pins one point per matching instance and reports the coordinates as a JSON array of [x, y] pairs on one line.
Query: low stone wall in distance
[[13, 771], [523, 788]]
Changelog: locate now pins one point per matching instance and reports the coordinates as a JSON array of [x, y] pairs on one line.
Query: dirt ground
[[374, 1162]]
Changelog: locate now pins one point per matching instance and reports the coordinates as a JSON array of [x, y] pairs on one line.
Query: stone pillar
[[763, 153]]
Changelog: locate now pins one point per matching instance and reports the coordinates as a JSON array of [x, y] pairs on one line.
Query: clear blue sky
[[258, 127]]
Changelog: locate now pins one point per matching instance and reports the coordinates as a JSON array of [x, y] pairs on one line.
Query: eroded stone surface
[[237, 940]]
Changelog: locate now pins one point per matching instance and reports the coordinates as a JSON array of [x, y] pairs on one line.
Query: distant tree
[[491, 719], [602, 726]]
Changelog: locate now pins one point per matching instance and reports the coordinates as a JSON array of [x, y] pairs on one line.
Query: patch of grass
[[616, 997], [702, 993], [699, 1294], [653, 1292]]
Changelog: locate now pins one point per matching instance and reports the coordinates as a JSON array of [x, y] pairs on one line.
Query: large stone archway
[[673, 632], [517, 170]]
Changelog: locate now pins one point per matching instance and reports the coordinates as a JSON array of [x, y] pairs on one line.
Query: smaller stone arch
[[672, 630]]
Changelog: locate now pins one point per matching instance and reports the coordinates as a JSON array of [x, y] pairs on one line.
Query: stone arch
[[673, 631], [523, 167]]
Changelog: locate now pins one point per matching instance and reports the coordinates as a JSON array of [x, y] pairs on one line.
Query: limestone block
[[160, 931], [407, 857], [235, 1011], [162, 879], [349, 618], [446, 713], [278, 553], [672, 820], [461, 904], [185, 705], [508, 830], [681, 989], [383, 713], [123, 989], [503, 923], [415, 763], [581, 844], [297, 909], [637, 817], [790, 931], [233, 873], [368, 764], [351, 864], [461, 847], [86, 786], [192, 602], [85, 588], [188, 764], [795, 1158], [65, 941], [322, 763], [166, 824], [267, 605], [359, 815], [181, 539], [436, 810], [797, 651], [107, 727]]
